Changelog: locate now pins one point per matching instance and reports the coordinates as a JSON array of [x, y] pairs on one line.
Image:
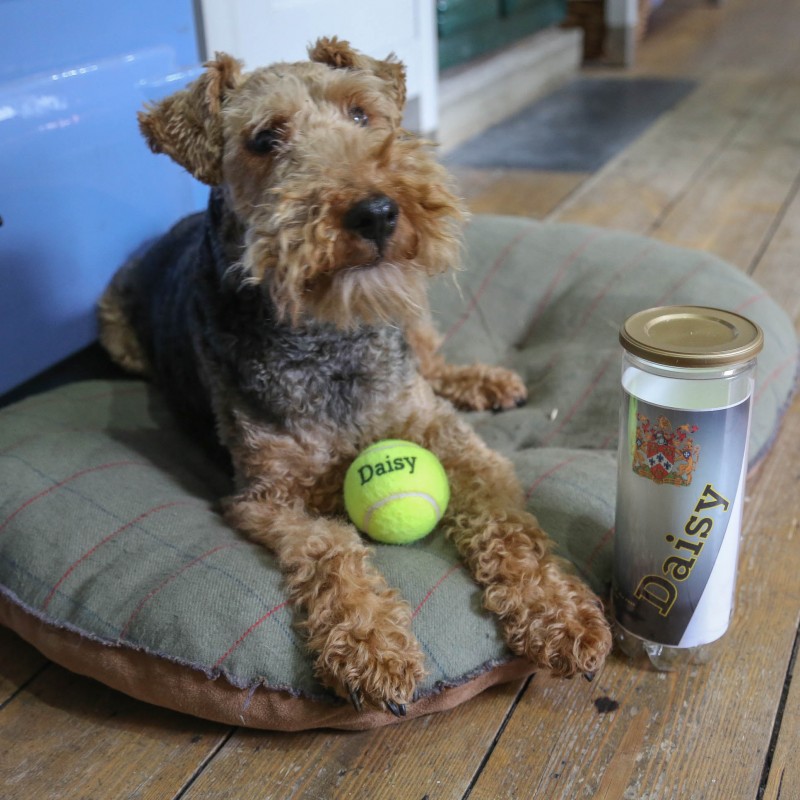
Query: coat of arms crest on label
[[664, 454]]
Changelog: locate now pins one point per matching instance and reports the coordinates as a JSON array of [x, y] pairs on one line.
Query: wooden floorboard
[[652, 175], [524, 193], [19, 664], [783, 769], [65, 736], [731, 206], [435, 756]]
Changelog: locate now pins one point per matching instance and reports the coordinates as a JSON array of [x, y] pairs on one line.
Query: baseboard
[[481, 94]]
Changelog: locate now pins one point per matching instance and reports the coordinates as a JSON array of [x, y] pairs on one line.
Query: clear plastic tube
[[681, 480]]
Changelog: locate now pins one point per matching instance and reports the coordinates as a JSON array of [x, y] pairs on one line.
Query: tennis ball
[[396, 491]]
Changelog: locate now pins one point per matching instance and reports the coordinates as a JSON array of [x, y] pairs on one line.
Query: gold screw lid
[[691, 336]]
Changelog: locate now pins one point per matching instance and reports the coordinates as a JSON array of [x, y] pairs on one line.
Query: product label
[[679, 505]]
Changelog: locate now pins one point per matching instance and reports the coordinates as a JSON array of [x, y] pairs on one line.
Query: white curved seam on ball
[[400, 496], [378, 447]]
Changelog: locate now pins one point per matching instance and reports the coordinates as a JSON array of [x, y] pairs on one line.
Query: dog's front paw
[[372, 659], [563, 630], [482, 388]]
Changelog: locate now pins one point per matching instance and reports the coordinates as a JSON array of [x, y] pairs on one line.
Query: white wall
[[264, 31]]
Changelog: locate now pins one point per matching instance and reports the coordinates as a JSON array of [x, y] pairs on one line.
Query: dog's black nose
[[373, 218]]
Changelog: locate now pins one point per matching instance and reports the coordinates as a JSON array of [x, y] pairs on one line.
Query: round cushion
[[115, 561]]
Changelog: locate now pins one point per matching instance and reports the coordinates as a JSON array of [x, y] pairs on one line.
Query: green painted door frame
[[469, 28]]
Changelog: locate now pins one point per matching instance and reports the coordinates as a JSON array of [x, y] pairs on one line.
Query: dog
[[291, 319]]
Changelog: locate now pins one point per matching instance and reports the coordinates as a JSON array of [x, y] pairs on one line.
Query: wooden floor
[[719, 172]]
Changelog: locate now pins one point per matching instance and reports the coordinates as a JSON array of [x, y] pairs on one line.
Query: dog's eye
[[264, 142], [359, 116]]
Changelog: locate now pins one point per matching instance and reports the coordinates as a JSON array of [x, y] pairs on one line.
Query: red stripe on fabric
[[750, 300], [587, 314], [774, 374], [535, 485], [687, 276], [580, 401], [73, 477], [607, 441], [27, 438], [498, 262], [258, 622], [636, 261], [587, 567], [558, 277], [599, 374], [153, 592], [435, 586], [103, 541]]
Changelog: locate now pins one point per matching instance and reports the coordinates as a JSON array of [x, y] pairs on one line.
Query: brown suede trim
[[182, 688]]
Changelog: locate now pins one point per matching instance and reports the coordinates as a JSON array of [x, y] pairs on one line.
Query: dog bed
[[115, 563]]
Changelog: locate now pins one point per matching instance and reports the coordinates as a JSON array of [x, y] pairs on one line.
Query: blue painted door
[[79, 189]]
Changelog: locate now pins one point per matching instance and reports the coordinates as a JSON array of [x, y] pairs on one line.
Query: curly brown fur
[[291, 318], [474, 387]]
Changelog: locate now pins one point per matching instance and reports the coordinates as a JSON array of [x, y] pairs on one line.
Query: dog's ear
[[338, 54], [187, 125]]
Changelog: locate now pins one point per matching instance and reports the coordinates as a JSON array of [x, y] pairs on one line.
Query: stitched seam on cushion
[[319, 697], [209, 672], [21, 569]]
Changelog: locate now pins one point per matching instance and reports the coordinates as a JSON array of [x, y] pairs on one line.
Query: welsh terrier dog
[[291, 317]]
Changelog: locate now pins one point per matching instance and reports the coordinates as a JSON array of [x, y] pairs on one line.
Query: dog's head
[[346, 214]]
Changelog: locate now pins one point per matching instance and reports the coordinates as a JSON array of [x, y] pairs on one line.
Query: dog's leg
[[358, 629], [473, 387], [548, 615]]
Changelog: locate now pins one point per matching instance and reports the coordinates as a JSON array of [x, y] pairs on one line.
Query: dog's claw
[[355, 699], [518, 402], [589, 676], [398, 709]]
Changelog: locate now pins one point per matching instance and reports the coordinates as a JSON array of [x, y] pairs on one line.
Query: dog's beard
[[386, 293]]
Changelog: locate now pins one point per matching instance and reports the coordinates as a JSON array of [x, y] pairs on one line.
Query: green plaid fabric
[[109, 523]]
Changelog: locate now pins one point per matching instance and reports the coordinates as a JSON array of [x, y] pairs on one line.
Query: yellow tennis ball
[[396, 491]]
